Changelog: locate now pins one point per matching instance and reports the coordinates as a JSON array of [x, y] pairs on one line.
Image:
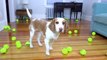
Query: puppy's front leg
[[47, 46], [31, 37]]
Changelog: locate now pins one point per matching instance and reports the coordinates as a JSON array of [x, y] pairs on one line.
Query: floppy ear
[[66, 26], [52, 25]]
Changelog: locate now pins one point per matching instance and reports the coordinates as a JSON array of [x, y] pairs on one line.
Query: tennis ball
[[13, 38], [3, 50], [27, 43], [83, 52], [69, 49], [75, 31], [93, 33], [18, 44], [14, 30], [64, 51], [90, 40], [6, 46], [8, 27], [76, 20], [17, 20], [27, 20], [69, 32], [5, 27]]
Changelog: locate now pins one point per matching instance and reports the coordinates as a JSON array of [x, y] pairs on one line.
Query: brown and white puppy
[[49, 29]]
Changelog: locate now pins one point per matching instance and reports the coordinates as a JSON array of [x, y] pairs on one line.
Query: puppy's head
[[58, 25]]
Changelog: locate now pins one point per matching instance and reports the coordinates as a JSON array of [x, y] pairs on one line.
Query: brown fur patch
[[52, 25], [39, 25]]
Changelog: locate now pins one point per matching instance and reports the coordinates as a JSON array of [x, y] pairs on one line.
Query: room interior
[[86, 19]]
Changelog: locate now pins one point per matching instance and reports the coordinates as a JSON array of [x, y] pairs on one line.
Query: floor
[[95, 51]]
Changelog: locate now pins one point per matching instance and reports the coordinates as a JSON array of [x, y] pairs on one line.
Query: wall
[[12, 9], [37, 6], [87, 8], [104, 1], [3, 16]]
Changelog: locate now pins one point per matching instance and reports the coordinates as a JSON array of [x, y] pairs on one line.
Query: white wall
[[12, 9], [87, 8], [3, 16], [104, 1], [37, 6]]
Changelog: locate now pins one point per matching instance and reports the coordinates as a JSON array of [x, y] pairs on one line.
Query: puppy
[[49, 29]]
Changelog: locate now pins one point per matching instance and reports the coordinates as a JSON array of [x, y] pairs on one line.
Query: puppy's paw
[[47, 53], [31, 46]]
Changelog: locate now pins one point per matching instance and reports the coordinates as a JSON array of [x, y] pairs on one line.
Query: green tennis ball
[[8, 27], [18, 44], [76, 31], [27, 43], [64, 51], [6, 46], [69, 32], [5, 27], [83, 52], [76, 20], [14, 30], [93, 33], [17, 20], [90, 40], [3, 50], [13, 38], [27, 20], [69, 49]]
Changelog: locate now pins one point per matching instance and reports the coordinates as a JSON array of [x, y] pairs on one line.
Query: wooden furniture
[[74, 7], [21, 14]]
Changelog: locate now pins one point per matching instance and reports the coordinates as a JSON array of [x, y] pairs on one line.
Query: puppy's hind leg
[[38, 38], [31, 37]]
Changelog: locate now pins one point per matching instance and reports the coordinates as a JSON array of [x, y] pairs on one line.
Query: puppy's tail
[[28, 13]]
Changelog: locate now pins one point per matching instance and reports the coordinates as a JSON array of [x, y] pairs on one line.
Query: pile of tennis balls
[[4, 49], [7, 28], [66, 50]]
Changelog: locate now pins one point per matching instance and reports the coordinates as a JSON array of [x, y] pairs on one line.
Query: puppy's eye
[[63, 23], [57, 22]]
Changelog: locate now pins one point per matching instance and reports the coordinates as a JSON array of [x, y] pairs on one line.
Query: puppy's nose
[[60, 29]]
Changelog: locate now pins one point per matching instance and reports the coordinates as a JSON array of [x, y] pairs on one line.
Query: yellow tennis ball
[[27, 43], [76, 31], [64, 51], [3, 50], [90, 40], [18, 44], [69, 49], [14, 30], [69, 32], [6, 46], [83, 52], [13, 38], [93, 33]]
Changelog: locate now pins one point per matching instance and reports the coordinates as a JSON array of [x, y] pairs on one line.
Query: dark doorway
[[7, 10]]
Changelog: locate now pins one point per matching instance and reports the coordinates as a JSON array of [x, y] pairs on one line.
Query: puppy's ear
[[66, 26], [52, 25]]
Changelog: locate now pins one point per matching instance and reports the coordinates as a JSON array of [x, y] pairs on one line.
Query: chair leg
[[80, 16], [76, 14]]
